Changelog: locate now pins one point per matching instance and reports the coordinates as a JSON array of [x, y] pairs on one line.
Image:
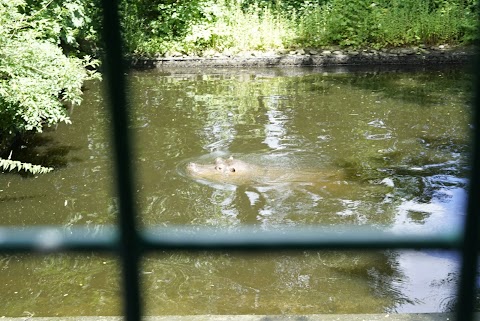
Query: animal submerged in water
[[238, 172]]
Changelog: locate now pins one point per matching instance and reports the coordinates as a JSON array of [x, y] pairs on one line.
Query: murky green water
[[399, 140]]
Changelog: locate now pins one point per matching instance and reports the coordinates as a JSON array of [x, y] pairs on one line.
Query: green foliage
[[284, 6], [240, 30], [191, 27], [146, 21], [360, 23], [73, 24], [36, 78], [202, 25], [424, 22], [348, 23]]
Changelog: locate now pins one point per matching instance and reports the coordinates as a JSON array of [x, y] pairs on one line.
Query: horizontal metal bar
[[57, 239], [298, 238], [188, 238]]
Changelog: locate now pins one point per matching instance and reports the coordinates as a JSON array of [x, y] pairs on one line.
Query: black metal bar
[[129, 240], [467, 285]]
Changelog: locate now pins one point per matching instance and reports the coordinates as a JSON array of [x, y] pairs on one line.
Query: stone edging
[[403, 56], [318, 317]]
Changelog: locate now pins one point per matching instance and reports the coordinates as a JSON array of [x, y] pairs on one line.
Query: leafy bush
[[238, 30], [72, 24], [206, 24], [36, 78], [338, 22], [145, 22], [243, 25]]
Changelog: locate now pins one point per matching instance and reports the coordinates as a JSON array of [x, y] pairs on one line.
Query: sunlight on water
[[383, 148]]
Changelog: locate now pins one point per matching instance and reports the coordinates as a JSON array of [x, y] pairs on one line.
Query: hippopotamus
[[238, 172]]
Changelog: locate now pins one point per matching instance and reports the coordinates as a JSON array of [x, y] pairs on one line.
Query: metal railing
[[131, 243]]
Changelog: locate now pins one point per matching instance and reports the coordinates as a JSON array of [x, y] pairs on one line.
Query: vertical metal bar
[[467, 285], [129, 237]]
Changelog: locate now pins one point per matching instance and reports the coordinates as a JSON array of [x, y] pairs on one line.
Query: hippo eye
[[232, 170], [218, 168]]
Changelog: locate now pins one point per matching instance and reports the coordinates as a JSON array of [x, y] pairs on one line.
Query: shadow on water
[[40, 149], [19, 198], [414, 86]]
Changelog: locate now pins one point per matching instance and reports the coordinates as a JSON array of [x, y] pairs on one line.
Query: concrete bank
[[316, 317], [302, 57]]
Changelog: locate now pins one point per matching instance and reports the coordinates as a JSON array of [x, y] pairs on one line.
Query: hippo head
[[223, 170], [225, 166], [219, 167]]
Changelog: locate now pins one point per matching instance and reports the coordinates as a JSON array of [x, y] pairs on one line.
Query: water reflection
[[325, 282], [429, 289], [387, 132], [399, 138], [59, 285]]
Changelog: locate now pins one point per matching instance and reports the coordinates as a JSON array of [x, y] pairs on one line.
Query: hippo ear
[[230, 158], [218, 160]]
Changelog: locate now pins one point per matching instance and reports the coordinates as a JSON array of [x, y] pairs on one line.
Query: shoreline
[[442, 55]]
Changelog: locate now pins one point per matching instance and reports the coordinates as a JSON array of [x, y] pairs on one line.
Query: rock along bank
[[315, 57]]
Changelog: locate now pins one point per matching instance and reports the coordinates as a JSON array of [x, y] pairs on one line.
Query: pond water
[[385, 148]]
